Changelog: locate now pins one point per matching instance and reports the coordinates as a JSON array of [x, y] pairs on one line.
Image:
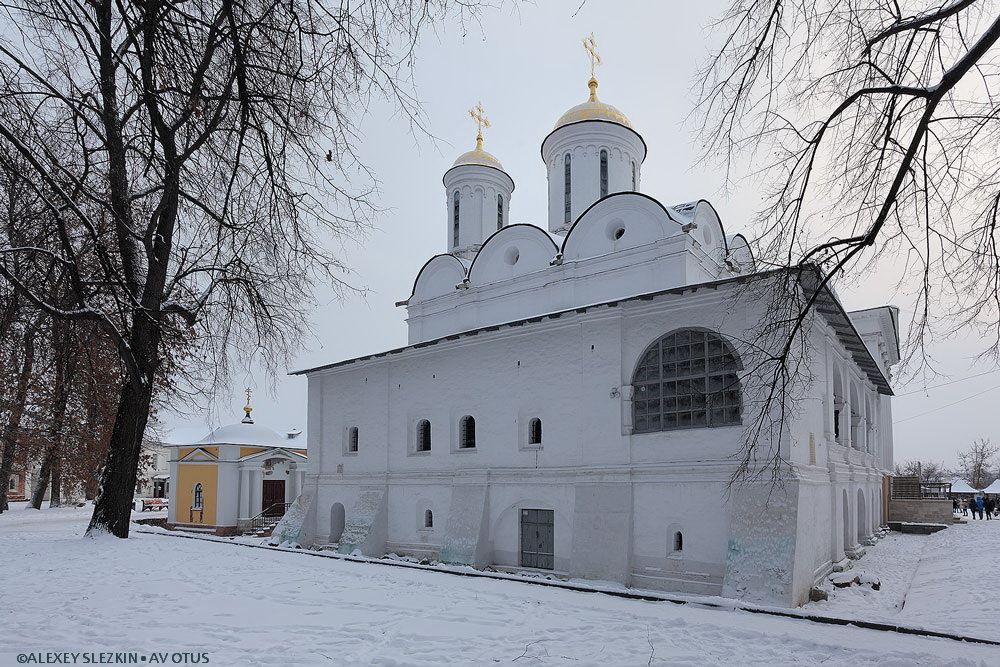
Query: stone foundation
[[920, 511]]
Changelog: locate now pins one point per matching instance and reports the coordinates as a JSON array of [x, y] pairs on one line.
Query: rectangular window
[[538, 538]]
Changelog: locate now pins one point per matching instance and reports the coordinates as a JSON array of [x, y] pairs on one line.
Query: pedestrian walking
[[979, 505]]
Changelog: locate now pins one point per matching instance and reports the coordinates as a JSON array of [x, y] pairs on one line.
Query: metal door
[[537, 538]]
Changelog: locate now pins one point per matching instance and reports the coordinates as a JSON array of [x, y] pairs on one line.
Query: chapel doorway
[[538, 538], [273, 497]]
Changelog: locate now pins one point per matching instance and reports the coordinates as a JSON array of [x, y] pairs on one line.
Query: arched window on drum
[[686, 379]]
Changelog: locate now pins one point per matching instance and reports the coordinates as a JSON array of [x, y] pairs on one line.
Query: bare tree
[[15, 399], [927, 471], [197, 162], [873, 127], [978, 463]]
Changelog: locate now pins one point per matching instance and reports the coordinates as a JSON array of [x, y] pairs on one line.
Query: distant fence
[[911, 488]]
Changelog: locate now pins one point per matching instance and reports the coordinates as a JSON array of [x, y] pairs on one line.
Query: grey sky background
[[526, 64]]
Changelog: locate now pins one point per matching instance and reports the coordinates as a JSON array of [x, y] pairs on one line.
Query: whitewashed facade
[[544, 339]]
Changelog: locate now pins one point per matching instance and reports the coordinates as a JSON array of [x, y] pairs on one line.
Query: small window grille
[[467, 432], [423, 436], [604, 173], [456, 199], [567, 171], [535, 431]]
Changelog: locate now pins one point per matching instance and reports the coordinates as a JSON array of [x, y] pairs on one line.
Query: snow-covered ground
[[948, 581], [255, 606]]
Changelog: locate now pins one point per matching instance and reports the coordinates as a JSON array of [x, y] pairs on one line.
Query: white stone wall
[[574, 373]]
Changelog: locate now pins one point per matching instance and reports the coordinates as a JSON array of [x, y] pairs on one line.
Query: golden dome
[[593, 109], [478, 156]]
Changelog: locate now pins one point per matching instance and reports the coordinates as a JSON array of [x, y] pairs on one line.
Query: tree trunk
[[9, 433], [113, 508], [42, 483], [60, 396], [65, 370], [55, 499]]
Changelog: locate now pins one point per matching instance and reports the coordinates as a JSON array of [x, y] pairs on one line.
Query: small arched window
[[199, 498], [456, 199], [604, 173], [352, 439], [428, 519], [633, 175], [499, 212], [678, 541], [687, 379], [423, 436], [467, 432], [535, 431], [567, 173]]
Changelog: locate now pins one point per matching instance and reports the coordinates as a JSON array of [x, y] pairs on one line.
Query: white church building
[[571, 397]]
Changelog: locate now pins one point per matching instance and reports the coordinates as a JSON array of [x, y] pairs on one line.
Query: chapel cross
[[247, 419], [479, 116], [590, 46]]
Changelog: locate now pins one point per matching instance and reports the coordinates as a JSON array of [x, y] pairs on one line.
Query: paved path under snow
[[253, 606], [947, 582]]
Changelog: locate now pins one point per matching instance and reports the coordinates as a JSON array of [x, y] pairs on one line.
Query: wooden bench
[[152, 504]]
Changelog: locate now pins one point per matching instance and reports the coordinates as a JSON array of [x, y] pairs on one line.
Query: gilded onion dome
[[478, 156], [593, 109]]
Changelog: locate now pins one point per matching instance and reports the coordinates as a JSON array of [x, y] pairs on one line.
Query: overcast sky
[[527, 66]]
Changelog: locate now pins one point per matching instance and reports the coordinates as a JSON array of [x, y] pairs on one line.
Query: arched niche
[[710, 232], [618, 222], [741, 254], [512, 251], [438, 276]]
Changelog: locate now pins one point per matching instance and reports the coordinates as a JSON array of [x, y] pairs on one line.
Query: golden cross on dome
[[590, 46], [479, 115], [247, 419]]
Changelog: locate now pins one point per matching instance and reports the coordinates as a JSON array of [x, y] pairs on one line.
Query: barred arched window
[[633, 175], [604, 173], [687, 379], [454, 224], [567, 173], [199, 498], [423, 436], [499, 212], [428, 519], [467, 432], [535, 431]]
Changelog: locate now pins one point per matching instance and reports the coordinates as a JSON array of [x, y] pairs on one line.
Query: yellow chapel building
[[239, 478]]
